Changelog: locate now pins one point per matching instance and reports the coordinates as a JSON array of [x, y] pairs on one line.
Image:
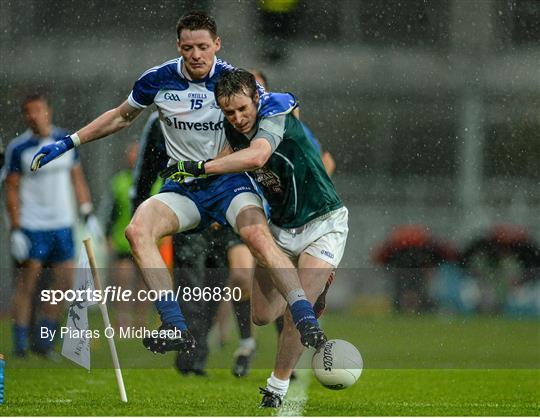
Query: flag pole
[[103, 307]]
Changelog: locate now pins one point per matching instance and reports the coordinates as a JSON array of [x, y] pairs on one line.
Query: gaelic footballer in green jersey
[[308, 219], [293, 179]]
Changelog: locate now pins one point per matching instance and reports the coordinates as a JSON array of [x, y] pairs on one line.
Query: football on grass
[[337, 364]]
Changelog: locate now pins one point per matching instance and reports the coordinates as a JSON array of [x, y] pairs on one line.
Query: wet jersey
[[190, 118], [293, 180], [46, 196]]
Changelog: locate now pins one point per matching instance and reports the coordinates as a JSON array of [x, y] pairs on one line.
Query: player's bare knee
[[260, 319], [265, 314], [131, 233], [137, 236], [260, 313]]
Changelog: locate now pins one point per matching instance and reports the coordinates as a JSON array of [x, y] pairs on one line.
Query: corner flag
[[78, 349]]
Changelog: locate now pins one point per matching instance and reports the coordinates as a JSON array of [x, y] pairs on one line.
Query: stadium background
[[430, 108]]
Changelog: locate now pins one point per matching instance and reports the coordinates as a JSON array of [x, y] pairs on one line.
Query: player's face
[[198, 50], [241, 111], [37, 115]]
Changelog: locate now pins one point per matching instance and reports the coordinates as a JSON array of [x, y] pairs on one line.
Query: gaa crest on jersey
[[171, 96]]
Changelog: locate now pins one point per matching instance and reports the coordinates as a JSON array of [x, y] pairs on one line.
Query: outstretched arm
[[106, 124]]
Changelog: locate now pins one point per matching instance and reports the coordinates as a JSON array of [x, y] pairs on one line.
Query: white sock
[[295, 295], [277, 386], [247, 343]]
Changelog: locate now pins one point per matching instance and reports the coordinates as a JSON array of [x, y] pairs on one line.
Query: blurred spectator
[[504, 261], [124, 271], [278, 19], [41, 219], [411, 253]]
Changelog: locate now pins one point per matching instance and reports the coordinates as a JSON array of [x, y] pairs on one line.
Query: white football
[[337, 364]]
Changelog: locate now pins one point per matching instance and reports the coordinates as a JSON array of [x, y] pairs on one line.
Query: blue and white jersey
[[46, 196], [191, 120]]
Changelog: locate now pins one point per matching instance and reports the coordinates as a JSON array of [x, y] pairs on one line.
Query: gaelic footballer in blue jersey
[[41, 220], [182, 89]]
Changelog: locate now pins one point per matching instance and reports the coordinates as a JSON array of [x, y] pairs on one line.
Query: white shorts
[[323, 237]]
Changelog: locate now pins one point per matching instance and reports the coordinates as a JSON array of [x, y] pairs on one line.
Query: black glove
[[179, 171]]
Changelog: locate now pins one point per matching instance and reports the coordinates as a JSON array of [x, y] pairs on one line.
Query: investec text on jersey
[[194, 126]]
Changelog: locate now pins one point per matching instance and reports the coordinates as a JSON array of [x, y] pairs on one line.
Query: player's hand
[[179, 171], [49, 152], [94, 227], [20, 245]]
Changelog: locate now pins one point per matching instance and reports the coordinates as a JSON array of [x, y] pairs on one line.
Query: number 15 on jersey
[[196, 104]]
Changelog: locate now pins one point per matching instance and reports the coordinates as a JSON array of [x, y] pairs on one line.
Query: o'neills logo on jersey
[[171, 96], [197, 96], [194, 126]]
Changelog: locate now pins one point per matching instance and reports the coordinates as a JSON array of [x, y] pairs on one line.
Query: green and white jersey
[[293, 181]]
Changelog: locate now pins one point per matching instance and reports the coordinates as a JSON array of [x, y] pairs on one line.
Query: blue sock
[[302, 311], [45, 343], [20, 337], [170, 312]]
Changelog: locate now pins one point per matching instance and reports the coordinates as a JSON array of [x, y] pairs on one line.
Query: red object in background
[[416, 244]]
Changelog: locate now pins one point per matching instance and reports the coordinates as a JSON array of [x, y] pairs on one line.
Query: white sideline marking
[[294, 402]]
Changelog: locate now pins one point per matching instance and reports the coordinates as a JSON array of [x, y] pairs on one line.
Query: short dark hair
[[34, 97], [197, 20], [235, 82]]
